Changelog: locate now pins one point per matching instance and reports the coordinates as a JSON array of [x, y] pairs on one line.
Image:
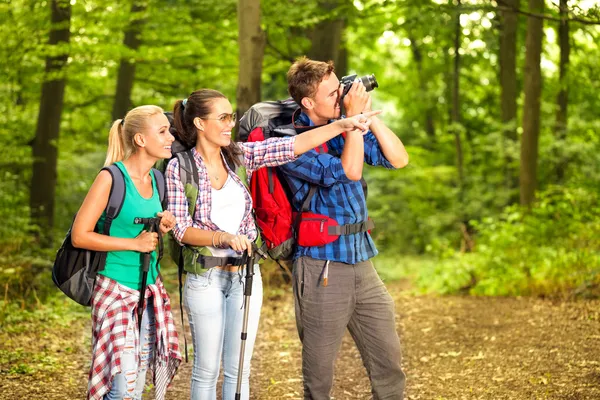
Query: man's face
[[325, 103]]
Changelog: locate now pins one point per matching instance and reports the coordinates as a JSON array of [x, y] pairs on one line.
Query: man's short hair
[[304, 77]]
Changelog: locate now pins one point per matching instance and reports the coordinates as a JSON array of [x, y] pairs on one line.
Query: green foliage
[[551, 249], [21, 326], [420, 211]]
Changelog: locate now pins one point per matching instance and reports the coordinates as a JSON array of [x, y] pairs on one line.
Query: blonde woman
[[121, 355]]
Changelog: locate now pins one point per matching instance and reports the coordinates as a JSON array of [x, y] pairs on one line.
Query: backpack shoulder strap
[[116, 196], [160, 184], [188, 173], [305, 207]]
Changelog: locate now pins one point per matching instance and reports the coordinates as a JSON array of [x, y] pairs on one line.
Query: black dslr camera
[[368, 80]]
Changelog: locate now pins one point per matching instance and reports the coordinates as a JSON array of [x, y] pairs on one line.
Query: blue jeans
[[214, 304], [129, 384]]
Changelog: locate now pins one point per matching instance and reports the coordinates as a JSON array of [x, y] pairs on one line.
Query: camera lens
[[369, 82]]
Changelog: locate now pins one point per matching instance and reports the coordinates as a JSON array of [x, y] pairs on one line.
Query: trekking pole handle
[[145, 221], [152, 225], [249, 274]]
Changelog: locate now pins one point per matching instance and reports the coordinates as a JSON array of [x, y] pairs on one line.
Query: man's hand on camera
[[357, 100]]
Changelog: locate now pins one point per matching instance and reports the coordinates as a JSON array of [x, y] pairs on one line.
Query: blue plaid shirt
[[337, 196]]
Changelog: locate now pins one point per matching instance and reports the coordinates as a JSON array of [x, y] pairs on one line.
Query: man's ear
[[139, 140], [198, 124], [307, 103]]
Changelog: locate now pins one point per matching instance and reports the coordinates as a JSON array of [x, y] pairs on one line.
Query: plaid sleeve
[[318, 169], [268, 153], [178, 203], [373, 154]]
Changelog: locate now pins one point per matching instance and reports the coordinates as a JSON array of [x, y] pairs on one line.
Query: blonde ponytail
[[115, 150], [120, 138]]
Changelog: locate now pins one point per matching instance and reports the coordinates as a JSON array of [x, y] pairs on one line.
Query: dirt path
[[454, 348]]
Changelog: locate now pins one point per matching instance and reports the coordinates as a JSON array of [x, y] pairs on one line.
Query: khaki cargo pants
[[354, 298]]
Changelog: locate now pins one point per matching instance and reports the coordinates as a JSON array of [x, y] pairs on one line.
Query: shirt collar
[[305, 120]]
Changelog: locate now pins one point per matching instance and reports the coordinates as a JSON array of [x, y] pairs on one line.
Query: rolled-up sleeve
[[268, 153], [373, 154], [178, 203]]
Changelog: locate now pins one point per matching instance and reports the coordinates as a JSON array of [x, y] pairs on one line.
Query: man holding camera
[[335, 285]]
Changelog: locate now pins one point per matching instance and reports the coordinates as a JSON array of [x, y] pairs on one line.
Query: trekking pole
[[247, 294], [152, 224]]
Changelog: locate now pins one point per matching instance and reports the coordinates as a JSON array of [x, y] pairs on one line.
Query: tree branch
[[505, 7], [284, 56], [89, 102]]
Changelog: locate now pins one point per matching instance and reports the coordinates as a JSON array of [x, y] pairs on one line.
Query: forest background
[[496, 101]]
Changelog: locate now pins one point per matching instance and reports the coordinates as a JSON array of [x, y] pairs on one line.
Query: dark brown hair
[[199, 105], [304, 77]]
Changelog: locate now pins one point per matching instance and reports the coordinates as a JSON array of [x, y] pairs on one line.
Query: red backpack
[[272, 207], [280, 227]]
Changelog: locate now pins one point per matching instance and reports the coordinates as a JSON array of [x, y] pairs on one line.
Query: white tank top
[[227, 210]]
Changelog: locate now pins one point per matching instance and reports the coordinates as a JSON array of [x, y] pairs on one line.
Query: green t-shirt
[[125, 266]]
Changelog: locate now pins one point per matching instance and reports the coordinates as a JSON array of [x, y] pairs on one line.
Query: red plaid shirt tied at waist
[[113, 306]]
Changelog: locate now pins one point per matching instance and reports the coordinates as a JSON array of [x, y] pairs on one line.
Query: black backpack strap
[[305, 207], [180, 275], [161, 186], [208, 262], [270, 173], [350, 229], [114, 205], [308, 198], [116, 197], [188, 173]]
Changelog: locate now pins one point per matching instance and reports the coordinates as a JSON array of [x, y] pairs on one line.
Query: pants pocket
[[299, 276], [197, 282]]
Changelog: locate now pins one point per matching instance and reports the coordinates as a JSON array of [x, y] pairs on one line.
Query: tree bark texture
[[508, 83], [562, 99], [456, 116], [327, 39], [45, 144], [429, 110], [126, 75], [531, 106], [251, 40]]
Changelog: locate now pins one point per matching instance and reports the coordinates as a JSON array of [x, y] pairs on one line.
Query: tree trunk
[[429, 111], [508, 84], [45, 151], [341, 64], [531, 106], [126, 75], [456, 117], [327, 39], [251, 41], [560, 128], [466, 243]]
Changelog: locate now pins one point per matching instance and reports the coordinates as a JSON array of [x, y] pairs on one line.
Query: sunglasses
[[225, 118]]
